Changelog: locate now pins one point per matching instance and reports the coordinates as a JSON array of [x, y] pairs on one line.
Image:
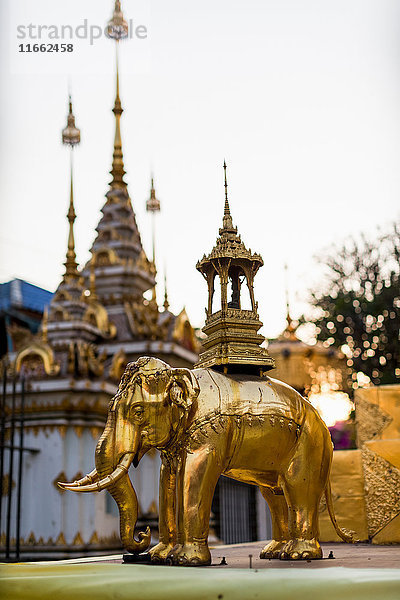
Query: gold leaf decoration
[[78, 541], [371, 420], [60, 541], [382, 487], [94, 538]]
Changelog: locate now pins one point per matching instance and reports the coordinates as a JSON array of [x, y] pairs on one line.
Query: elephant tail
[[345, 534]]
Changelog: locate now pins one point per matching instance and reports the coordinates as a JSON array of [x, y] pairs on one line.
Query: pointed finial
[[166, 303], [287, 293], [153, 206], [227, 212], [117, 28], [71, 135], [153, 203], [117, 170], [71, 266], [227, 224], [290, 327]]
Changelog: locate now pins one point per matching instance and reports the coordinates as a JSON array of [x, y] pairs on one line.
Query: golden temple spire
[[153, 205], [227, 224], [290, 330], [227, 212], [117, 29], [166, 302], [117, 170], [71, 266], [71, 137]]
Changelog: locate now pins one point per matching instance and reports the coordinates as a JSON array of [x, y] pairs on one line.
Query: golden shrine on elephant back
[[232, 341]]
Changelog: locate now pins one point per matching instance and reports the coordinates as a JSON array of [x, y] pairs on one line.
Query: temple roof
[[122, 268], [18, 293]]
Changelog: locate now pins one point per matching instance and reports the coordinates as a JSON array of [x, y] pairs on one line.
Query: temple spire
[[227, 211], [290, 330], [153, 206], [227, 224], [71, 137], [117, 170], [71, 266], [166, 302], [117, 29]]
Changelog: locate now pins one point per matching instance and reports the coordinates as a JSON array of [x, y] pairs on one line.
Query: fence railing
[[12, 420]]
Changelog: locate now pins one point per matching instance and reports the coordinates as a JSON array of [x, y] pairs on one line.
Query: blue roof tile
[[21, 294]]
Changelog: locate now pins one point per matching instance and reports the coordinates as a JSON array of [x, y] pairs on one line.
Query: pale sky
[[301, 97]]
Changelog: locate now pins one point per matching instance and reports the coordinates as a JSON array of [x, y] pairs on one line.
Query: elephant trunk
[[122, 491]]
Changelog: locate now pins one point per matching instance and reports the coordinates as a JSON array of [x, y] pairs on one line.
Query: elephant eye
[[138, 412]]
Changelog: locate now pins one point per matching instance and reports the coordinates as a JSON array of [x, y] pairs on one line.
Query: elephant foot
[[191, 554], [159, 553], [301, 550], [273, 549]]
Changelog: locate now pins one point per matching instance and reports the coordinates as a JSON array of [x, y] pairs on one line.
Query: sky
[[301, 97]]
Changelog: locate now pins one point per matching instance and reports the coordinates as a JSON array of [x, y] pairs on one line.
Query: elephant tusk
[[90, 478], [120, 470]]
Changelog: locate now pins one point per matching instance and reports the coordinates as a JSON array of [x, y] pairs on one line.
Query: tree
[[357, 307]]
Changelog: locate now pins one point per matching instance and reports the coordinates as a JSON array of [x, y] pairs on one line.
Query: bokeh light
[[333, 406]]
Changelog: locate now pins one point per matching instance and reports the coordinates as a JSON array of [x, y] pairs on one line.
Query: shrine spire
[[71, 137], [290, 330], [227, 224], [71, 266], [117, 170], [117, 29], [166, 301]]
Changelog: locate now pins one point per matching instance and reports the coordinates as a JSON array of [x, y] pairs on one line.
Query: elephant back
[[233, 395]]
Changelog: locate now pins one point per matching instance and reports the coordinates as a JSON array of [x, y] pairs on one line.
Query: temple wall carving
[[366, 481]]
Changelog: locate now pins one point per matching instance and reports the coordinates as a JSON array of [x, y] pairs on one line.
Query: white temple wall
[[145, 479]]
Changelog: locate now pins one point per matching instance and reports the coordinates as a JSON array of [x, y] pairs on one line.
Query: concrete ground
[[358, 556]]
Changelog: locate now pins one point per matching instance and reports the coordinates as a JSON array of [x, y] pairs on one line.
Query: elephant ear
[[182, 388]]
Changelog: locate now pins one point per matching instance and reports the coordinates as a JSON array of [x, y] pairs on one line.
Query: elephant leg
[[279, 516], [304, 483], [197, 479], [167, 510]]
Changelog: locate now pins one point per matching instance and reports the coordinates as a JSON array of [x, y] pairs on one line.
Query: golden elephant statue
[[254, 429]]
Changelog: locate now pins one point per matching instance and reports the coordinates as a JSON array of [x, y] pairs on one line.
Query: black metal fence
[[234, 511], [12, 451]]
